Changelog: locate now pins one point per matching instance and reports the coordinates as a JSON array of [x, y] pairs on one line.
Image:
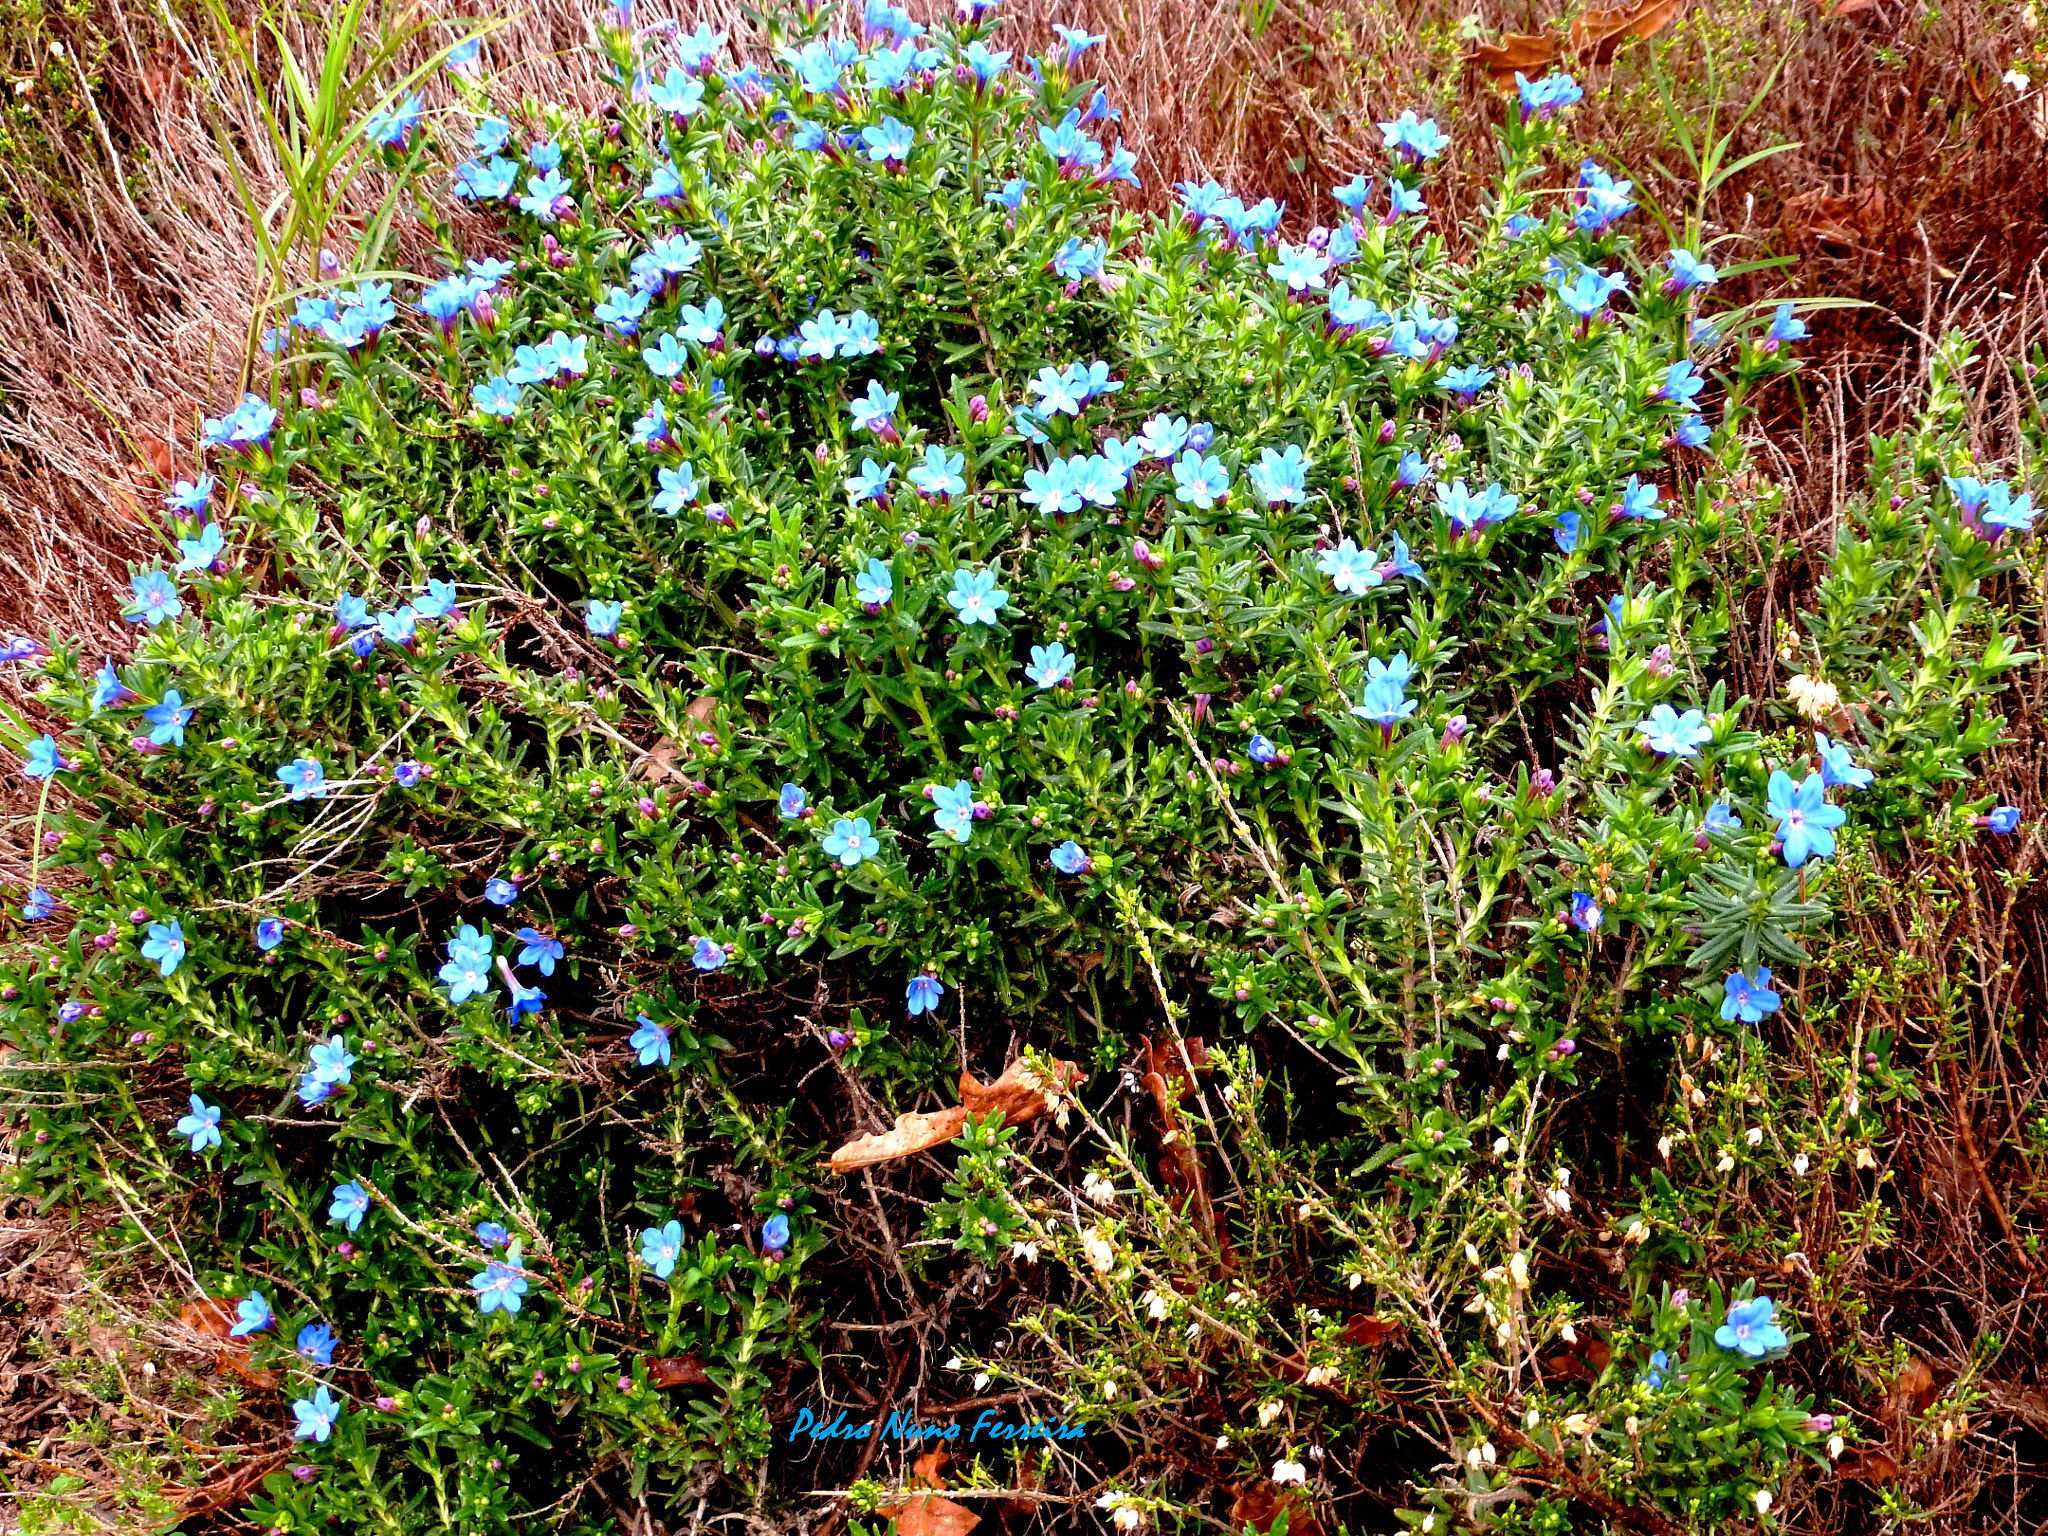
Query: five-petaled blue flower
[[1806, 822], [875, 585], [851, 841], [2005, 820], [873, 411], [316, 1416], [500, 1285], [331, 1060], [775, 1234], [651, 1041], [269, 933], [153, 597], [1784, 327], [305, 777], [500, 892], [953, 809], [790, 803], [923, 993], [492, 1235], [1586, 912], [541, 950], [350, 1205], [1837, 766], [202, 1125], [660, 1247], [708, 955], [1750, 1330], [1051, 665], [1279, 477], [1670, 734], [889, 141], [1070, 858], [43, 760], [166, 946], [1200, 481], [316, 1343], [1747, 1000], [976, 597], [252, 1315], [1351, 570], [602, 618]]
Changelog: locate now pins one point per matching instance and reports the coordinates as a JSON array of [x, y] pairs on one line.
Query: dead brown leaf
[[677, 1371], [1516, 53], [662, 762], [1261, 1504], [1020, 1094], [924, 1471], [1365, 1331], [929, 1515], [1598, 35], [1914, 1389], [1845, 8], [1868, 1467], [702, 708], [214, 1319]]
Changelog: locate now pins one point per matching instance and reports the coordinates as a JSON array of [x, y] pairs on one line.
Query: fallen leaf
[[1867, 1467], [924, 1471], [929, 1515], [1846, 8], [1020, 1094], [677, 1371], [702, 708], [1516, 53], [1583, 1361], [1597, 35], [660, 762], [214, 1319], [1365, 1331], [1260, 1506], [1915, 1387], [1163, 1057]]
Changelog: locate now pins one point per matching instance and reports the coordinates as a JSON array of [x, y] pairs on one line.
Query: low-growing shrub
[[813, 601]]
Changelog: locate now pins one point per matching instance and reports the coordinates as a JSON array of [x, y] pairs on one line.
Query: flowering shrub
[[812, 586]]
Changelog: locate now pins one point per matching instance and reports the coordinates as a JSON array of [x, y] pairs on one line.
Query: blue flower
[[1837, 766], [660, 1247], [1353, 193], [407, 774], [496, 396], [2005, 511], [1688, 272], [468, 971], [153, 598], [1470, 510], [1078, 41], [247, 426], [1602, 199], [790, 803], [492, 1235], [439, 601], [541, 950], [651, 1041], [40, 904], [677, 94], [305, 778], [190, 497], [1694, 432], [923, 993], [1403, 200], [1567, 533], [1010, 195], [1748, 1000], [705, 325], [1784, 327], [678, 489], [774, 1235], [953, 810], [315, 1416], [108, 691], [872, 411], [350, 1205], [1416, 141], [542, 194], [889, 141], [316, 1343], [2005, 820], [1069, 858], [1200, 481], [1681, 383], [872, 483], [976, 597], [1466, 382], [1586, 913], [478, 181], [851, 841], [331, 1060], [1383, 702], [602, 618], [708, 955], [1261, 751], [169, 719], [202, 1125], [1051, 665], [1055, 490], [1588, 292], [1303, 270], [500, 1285], [1546, 97], [1750, 1329], [874, 587], [166, 946], [1659, 1364], [398, 626], [200, 553], [313, 1089], [1721, 817], [252, 1315], [1351, 570], [1279, 477], [1670, 734], [1806, 822]]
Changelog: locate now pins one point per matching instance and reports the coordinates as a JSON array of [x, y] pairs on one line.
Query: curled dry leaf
[[926, 1514], [1260, 1505], [661, 763], [1598, 34], [1517, 53], [1868, 1467], [213, 1319], [1366, 1331], [702, 708], [1821, 218], [1020, 1094], [924, 1471]]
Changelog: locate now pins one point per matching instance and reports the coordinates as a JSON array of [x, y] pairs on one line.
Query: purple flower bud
[[1204, 646], [1820, 1423], [838, 1039], [1454, 732], [1201, 710], [387, 1405], [646, 807], [345, 1250], [977, 409], [625, 1383], [540, 1379], [1386, 432], [982, 811], [1543, 781], [628, 931], [1680, 1296], [305, 1473]]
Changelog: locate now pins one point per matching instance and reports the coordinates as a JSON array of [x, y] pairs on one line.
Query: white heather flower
[[1836, 1445], [1028, 1252], [1128, 1517], [1763, 1501], [1223, 1442], [1486, 1452], [1109, 1388], [2018, 79], [980, 1380], [953, 1364], [1321, 1375], [1194, 1330], [1268, 1412], [1504, 1332], [1306, 1210], [1664, 1148], [1518, 1270], [1532, 1418], [1754, 1135], [1864, 1159], [1353, 1281], [1726, 1162], [1569, 1334], [1472, 1458], [1471, 1254], [1799, 1165], [1234, 1298], [1580, 1424], [1098, 1189], [1635, 1231], [1099, 1253], [1156, 1306], [1813, 697], [1501, 1145], [1289, 1472], [1230, 1093], [1633, 1425]]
